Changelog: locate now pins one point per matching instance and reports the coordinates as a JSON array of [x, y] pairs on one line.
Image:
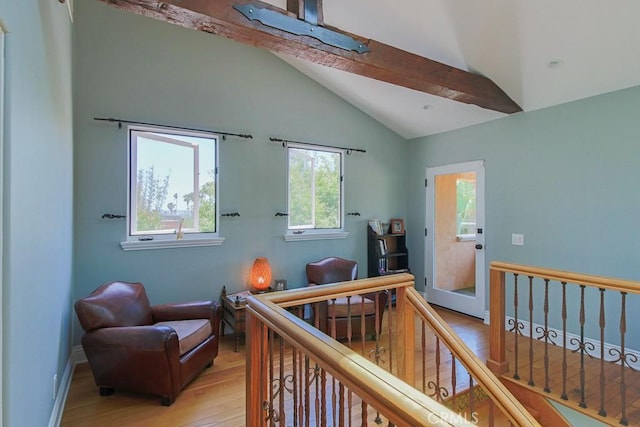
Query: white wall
[[135, 68], [37, 207]]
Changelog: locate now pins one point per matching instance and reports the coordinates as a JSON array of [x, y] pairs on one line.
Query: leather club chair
[[334, 270], [134, 346]]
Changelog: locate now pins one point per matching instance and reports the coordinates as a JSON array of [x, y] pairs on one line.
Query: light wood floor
[[214, 398], [217, 396]]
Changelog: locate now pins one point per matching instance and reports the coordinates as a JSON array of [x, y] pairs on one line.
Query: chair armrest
[[183, 311], [146, 338], [191, 310]]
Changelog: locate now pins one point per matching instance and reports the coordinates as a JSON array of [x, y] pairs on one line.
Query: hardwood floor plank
[[217, 396]]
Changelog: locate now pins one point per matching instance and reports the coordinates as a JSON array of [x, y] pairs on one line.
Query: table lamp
[[260, 277]]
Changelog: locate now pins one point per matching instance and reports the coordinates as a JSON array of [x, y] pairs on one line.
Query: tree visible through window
[[173, 183], [315, 188]]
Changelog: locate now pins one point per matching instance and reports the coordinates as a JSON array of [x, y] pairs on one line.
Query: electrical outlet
[[55, 386]]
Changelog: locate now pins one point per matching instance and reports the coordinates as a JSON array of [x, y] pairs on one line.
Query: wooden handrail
[[557, 279], [400, 403], [311, 294], [394, 398], [603, 282], [499, 394]]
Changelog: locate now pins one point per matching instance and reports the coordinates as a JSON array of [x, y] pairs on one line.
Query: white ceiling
[[594, 43]]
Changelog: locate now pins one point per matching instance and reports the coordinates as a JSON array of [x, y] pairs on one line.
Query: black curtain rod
[[285, 141], [121, 121]]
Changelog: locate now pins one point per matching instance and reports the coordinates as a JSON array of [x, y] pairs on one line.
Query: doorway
[[455, 261]]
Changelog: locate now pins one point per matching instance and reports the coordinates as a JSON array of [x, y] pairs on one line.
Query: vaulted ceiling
[[491, 58]]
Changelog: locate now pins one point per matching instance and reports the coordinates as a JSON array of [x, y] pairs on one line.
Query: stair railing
[[297, 375], [567, 337]]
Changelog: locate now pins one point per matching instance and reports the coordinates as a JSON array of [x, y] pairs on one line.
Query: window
[[466, 205], [315, 190], [173, 185]]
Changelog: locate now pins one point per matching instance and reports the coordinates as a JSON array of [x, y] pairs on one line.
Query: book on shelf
[[382, 246], [376, 226]]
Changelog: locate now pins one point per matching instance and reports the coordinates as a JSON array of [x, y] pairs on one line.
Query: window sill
[[316, 236], [169, 244]]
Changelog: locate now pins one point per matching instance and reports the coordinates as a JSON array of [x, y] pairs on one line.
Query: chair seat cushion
[[190, 332], [341, 309]]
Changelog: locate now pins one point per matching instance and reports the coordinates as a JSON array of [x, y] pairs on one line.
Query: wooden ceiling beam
[[383, 62]]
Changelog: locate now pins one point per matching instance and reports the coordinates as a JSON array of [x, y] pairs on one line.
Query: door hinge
[[425, 232], [425, 182]]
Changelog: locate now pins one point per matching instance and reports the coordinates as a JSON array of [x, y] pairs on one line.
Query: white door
[[455, 265]]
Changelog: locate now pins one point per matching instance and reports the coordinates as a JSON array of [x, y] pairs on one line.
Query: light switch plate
[[517, 239]]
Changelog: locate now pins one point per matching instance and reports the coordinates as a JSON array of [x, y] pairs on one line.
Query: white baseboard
[[611, 351], [77, 356]]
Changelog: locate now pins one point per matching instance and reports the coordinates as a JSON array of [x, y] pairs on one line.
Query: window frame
[[299, 233], [159, 240]]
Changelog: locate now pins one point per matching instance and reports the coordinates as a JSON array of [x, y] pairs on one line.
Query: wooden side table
[[233, 315]]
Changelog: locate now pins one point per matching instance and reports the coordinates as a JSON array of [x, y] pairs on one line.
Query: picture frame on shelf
[[397, 226]]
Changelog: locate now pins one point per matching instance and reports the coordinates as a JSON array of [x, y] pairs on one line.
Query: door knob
[[478, 246]]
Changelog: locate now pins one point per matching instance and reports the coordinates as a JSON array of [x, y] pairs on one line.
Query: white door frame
[[472, 305]]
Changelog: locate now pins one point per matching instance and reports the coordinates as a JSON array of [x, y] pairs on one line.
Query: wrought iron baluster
[[333, 318], [362, 326], [515, 326], [581, 348], [564, 396], [546, 334], [602, 322], [623, 386], [341, 407], [472, 397], [439, 393], [282, 385], [294, 361], [323, 399], [453, 376], [424, 357], [531, 383], [316, 376], [349, 327], [307, 397]]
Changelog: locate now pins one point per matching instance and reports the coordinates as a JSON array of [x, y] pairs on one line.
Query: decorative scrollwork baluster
[[584, 347], [602, 323], [564, 342], [531, 383], [623, 358], [547, 335], [516, 326], [438, 393]]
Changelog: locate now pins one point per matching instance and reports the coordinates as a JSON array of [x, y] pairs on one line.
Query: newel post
[[406, 337], [497, 339], [256, 368]]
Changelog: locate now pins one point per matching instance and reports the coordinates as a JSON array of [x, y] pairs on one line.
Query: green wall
[[37, 208], [132, 67], [566, 177]]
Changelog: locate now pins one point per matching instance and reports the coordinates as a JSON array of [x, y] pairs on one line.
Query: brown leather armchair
[[134, 346], [334, 270]]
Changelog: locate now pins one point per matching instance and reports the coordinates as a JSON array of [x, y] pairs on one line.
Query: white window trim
[[168, 240], [169, 244], [298, 235], [327, 235]]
